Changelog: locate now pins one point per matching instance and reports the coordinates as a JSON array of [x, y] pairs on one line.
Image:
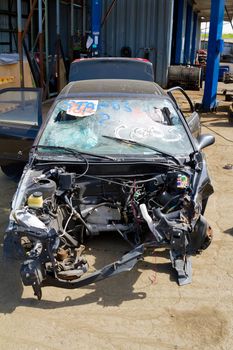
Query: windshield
[[84, 124]]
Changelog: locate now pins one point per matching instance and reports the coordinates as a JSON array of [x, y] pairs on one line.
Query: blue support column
[[179, 32], [193, 49], [215, 47], [96, 25], [188, 34]]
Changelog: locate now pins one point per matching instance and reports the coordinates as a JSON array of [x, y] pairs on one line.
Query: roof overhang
[[203, 8]]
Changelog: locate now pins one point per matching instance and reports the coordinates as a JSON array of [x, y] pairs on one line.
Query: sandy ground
[[142, 309]]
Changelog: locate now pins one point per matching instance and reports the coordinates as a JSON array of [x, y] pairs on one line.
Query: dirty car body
[[112, 156]]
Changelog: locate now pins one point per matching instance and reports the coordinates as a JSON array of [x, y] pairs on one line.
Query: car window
[[19, 107], [83, 125], [111, 69]]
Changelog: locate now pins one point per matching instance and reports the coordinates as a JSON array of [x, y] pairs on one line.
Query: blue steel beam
[[96, 25], [179, 32], [215, 47], [188, 34], [193, 48]]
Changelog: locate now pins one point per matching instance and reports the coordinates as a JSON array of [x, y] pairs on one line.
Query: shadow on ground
[[110, 292], [229, 231]]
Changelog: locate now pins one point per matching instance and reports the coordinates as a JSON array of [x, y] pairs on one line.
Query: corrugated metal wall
[[8, 39], [65, 22], [183, 30], [140, 24]]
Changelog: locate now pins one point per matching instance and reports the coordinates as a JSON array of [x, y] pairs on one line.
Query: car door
[[185, 105], [20, 120]]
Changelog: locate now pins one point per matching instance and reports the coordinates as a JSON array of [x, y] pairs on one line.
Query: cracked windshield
[[92, 124]]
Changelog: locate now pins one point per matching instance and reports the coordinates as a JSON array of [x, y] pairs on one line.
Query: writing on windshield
[[81, 123]]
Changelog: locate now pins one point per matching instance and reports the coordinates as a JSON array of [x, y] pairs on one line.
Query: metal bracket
[[180, 261], [183, 268]]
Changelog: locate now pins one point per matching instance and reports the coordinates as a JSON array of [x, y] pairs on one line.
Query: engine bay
[[59, 211]]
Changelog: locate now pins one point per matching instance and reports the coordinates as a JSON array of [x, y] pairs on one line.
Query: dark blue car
[[113, 156]]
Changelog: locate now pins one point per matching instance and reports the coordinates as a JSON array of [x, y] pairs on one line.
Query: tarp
[[9, 58]]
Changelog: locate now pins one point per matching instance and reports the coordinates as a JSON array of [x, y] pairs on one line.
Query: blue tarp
[[8, 58]]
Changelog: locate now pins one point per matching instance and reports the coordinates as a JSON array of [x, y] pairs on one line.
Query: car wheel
[[230, 115], [13, 171], [208, 238]]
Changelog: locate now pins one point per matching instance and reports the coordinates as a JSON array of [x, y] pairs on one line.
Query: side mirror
[[205, 140]]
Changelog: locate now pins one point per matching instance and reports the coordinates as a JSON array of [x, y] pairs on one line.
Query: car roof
[[110, 86], [113, 59]]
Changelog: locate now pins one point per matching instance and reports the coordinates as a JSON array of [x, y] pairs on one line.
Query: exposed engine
[[60, 209]]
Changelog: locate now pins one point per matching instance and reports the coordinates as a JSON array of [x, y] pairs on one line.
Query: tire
[[13, 171], [230, 115]]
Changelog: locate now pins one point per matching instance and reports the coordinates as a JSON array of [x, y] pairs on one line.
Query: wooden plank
[[5, 80], [12, 71]]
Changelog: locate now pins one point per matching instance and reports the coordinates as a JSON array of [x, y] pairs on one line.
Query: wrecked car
[[113, 156]]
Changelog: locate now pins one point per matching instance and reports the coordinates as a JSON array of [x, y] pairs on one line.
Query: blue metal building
[[168, 29]]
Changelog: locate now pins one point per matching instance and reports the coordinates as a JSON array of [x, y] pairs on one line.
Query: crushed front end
[[55, 210]]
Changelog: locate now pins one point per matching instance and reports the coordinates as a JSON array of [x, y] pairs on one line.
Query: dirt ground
[[142, 309]]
